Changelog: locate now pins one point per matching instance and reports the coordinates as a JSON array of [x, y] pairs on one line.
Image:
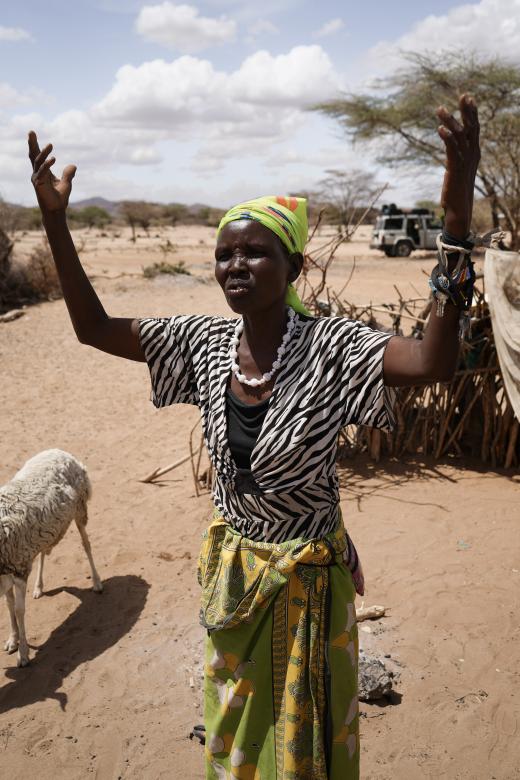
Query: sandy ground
[[115, 684]]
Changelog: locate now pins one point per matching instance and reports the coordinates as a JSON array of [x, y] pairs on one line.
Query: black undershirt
[[244, 422]]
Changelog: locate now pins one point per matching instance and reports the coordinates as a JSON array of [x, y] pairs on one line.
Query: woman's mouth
[[237, 290]]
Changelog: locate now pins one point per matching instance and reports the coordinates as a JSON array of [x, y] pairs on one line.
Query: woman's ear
[[295, 266]]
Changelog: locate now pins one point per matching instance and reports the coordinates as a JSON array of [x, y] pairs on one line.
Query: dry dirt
[[114, 686]]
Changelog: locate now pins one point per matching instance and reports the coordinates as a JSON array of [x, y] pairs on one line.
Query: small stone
[[375, 680]]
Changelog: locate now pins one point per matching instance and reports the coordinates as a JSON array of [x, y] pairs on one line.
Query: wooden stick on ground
[[370, 613], [9, 316], [159, 472]]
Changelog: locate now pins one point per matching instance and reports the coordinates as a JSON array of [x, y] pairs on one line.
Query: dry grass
[[30, 280], [163, 267]]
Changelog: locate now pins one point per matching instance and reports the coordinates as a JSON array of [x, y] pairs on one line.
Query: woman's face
[[252, 266]]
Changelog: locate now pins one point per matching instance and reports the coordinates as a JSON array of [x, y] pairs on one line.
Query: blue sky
[[206, 102]]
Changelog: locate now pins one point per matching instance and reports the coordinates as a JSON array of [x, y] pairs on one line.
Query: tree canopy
[[91, 216], [346, 194], [398, 116]]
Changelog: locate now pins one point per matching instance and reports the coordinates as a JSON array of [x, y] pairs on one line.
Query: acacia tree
[[399, 117], [93, 216], [138, 212], [347, 194]]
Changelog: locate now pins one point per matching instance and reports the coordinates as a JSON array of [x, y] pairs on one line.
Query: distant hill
[[111, 206]]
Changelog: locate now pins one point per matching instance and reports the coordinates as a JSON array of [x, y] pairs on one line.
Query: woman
[[278, 572]]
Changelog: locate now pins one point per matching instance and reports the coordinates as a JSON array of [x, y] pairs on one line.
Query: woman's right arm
[[116, 335]]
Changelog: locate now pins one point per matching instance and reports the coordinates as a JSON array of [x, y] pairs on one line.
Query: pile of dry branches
[[469, 416]]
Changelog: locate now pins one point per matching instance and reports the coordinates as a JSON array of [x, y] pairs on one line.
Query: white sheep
[[36, 508]]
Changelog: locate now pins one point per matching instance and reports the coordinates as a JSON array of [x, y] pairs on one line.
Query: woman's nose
[[238, 262]]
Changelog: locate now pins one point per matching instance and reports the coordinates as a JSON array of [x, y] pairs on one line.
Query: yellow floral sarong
[[281, 658]]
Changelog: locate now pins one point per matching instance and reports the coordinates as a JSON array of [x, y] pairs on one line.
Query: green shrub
[[90, 216], [151, 271]]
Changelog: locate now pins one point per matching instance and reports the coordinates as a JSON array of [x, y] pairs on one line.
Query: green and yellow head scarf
[[284, 216]]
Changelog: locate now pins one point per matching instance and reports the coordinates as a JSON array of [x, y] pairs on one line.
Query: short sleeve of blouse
[[367, 400], [171, 347]]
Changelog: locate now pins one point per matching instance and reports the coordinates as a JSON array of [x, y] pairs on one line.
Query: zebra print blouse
[[332, 376]]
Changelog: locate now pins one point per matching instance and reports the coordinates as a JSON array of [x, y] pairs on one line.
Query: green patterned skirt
[[281, 658]]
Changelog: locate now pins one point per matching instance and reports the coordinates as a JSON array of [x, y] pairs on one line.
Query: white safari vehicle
[[397, 233]]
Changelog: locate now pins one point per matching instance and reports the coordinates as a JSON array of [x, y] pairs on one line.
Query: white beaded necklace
[[233, 353]]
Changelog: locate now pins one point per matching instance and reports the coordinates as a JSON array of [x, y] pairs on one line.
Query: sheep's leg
[[38, 585], [20, 587], [96, 582], [12, 643]]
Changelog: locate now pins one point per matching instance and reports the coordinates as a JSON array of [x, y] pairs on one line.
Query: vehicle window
[[380, 223], [432, 223], [394, 223]]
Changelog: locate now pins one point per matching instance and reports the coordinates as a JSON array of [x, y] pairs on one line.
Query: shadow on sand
[[98, 622], [362, 477]]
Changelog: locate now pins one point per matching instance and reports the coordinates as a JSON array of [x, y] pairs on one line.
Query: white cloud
[[245, 110], [76, 139], [176, 96], [204, 118], [186, 100], [300, 78], [261, 27], [9, 96], [158, 93], [14, 34], [330, 27], [180, 27], [332, 156], [491, 27], [144, 155]]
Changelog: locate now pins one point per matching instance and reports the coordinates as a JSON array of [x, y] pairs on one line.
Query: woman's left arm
[[408, 361]]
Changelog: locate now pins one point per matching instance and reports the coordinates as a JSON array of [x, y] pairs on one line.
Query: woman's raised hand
[[462, 159], [52, 193]]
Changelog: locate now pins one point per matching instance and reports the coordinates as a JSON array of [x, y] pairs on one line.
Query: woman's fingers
[[462, 152], [468, 109], [449, 121], [34, 149], [43, 169], [469, 113], [42, 156], [68, 173], [453, 150]]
